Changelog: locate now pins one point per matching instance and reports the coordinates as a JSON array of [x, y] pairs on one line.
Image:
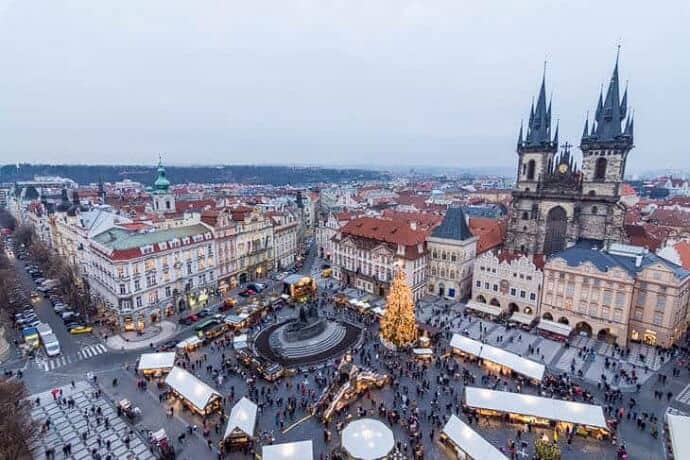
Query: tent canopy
[[189, 341], [367, 439], [152, 361], [299, 450], [197, 392], [484, 308], [523, 366], [242, 418], [554, 327], [536, 406], [679, 428], [522, 318], [470, 442]]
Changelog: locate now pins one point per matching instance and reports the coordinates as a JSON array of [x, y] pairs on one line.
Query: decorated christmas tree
[[398, 322]]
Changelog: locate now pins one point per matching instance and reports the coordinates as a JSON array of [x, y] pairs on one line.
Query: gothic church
[[555, 204]]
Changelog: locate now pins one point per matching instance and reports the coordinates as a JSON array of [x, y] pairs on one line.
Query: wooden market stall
[[554, 330], [588, 419], [467, 443], [678, 431], [190, 343], [156, 364], [300, 288], [497, 359], [484, 309], [193, 392], [241, 424]]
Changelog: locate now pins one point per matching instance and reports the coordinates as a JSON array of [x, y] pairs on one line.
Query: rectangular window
[[570, 289], [639, 314], [486, 286], [620, 299], [189, 268], [617, 314], [523, 294], [658, 318], [479, 284], [168, 291], [660, 302], [606, 300], [495, 287], [532, 296], [137, 285], [513, 291], [138, 300], [123, 289]]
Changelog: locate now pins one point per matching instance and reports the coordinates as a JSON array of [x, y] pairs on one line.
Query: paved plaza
[[78, 424]]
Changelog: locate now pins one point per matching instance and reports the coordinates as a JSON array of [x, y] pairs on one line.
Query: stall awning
[[521, 318], [379, 311], [300, 450], [470, 442], [296, 278], [187, 385], [154, 361], [234, 320], [484, 308], [242, 418], [240, 341], [367, 439], [522, 366], [189, 342], [679, 428], [536, 406], [423, 351], [554, 327]]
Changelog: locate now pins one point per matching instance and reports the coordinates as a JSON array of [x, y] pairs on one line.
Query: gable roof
[[389, 231], [453, 227]]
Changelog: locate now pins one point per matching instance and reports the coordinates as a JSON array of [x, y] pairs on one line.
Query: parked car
[[256, 287], [247, 293]]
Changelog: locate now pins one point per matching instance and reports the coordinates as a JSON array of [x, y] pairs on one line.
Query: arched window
[[525, 215], [600, 169], [531, 165]]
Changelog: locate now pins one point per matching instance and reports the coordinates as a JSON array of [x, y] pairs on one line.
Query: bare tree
[[24, 234], [18, 431]]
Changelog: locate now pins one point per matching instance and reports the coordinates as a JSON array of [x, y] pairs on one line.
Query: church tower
[[537, 149], [163, 199], [605, 147]]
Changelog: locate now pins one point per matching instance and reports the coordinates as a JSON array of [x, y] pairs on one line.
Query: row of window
[[513, 291]]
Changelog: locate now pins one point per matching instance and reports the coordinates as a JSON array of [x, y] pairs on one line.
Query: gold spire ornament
[[398, 326]]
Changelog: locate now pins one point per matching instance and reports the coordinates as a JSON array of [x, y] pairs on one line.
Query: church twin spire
[[539, 127], [610, 115]]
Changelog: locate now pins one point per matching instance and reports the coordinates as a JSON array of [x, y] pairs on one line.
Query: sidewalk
[[134, 342]]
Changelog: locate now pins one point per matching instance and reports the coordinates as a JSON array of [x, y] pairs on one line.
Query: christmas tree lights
[[398, 326]]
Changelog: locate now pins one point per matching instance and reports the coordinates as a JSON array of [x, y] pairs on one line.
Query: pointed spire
[[600, 104], [519, 143], [555, 136], [585, 131], [624, 102]]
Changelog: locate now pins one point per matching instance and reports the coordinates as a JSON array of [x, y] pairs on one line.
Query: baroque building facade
[[555, 204]]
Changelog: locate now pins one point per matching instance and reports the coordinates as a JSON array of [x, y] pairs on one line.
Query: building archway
[[512, 307], [495, 302], [605, 335], [481, 299], [441, 290], [556, 227], [563, 320], [547, 316], [583, 328], [243, 278]]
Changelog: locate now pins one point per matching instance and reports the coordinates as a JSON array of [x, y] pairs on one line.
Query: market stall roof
[[295, 278], [236, 319], [536, 406], [242, 418], [367, 439], [484, 308], [523, 366], [554, 327], [299, 450], [470, 442], [679, 428], [379, 311], [198, 393], [148, 361], [189, 341], [423, 351], [522, 318], [240, 341]]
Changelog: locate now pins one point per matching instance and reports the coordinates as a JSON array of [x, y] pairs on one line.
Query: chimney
[[413, 225]]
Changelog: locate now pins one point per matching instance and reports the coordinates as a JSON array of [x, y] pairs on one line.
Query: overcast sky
[[329, 82]]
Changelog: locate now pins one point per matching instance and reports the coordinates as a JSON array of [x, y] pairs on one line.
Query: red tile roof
[[386, 230], [490, 232], [683, 250]]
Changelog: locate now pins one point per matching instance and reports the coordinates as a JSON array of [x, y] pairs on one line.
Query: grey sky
[[329, 82]]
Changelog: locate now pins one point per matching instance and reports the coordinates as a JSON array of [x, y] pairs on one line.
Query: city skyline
[[403, 83]]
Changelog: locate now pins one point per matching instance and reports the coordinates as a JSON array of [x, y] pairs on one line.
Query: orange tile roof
[[490, 232]]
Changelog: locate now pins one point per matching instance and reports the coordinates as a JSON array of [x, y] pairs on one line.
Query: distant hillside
[[276, 175]]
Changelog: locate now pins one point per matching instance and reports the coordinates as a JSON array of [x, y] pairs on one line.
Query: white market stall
[[521, 318], [467, 443], [678, 429], [299, 450], [501, 358], [554, 329], [423, 353], [538, 411], [241, 423], [240, 341], [156, 363], [194, 393], [367, 439], [190, 343], [485, 308]]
